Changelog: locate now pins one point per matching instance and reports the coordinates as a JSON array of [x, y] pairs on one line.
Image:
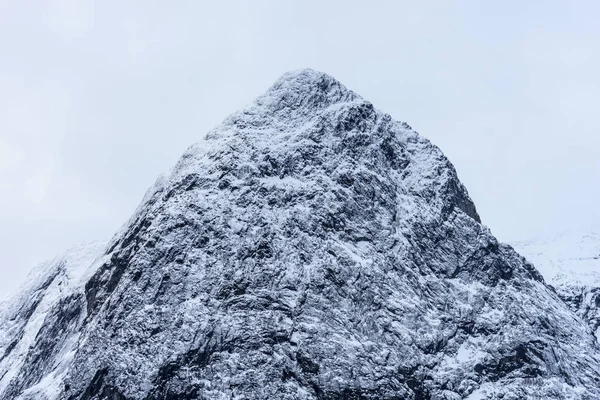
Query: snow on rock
[[41, 315], [311, 247], [570, 262]]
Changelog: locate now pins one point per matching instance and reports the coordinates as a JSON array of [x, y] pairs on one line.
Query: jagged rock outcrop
[[311, 247]]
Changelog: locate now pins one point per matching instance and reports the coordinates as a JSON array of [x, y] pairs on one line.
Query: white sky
[[98, 98]]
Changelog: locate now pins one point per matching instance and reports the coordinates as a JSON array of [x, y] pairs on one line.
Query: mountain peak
[[305, 75], [298, 95], [306, 81], [314, 249], [306, 112]]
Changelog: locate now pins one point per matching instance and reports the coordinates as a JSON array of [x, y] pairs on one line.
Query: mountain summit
[[310, 247]]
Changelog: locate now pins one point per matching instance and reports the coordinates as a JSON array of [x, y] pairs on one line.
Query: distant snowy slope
[[570, 262], [565, 259]]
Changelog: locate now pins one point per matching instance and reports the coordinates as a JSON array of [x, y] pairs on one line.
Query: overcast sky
[[98, 98]]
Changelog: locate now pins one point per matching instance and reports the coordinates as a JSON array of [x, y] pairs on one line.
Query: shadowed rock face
[[313, 248]]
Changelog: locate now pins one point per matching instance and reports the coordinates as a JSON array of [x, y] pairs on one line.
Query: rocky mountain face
[[310, 247], [570, 262]]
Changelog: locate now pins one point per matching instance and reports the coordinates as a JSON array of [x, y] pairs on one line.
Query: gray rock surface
[[310, 247]]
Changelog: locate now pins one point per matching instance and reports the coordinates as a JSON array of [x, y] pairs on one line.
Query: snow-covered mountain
[[310, 247], [570, 262]]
